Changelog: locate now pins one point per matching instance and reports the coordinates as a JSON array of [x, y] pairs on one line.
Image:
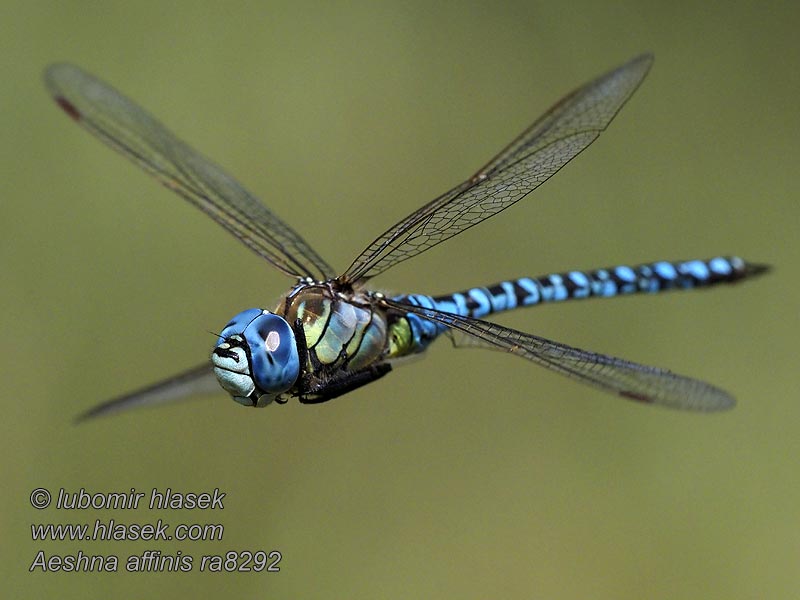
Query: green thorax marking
[[339, 333], [401, 341]]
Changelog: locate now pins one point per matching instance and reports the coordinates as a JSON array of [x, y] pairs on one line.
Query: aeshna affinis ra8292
[[330, 334]]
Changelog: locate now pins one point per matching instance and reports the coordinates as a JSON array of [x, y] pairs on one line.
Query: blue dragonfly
[[330, 334]]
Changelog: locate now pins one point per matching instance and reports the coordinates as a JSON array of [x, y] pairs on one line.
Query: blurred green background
[[468, 474]]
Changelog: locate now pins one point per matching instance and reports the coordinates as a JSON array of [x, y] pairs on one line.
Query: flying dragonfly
[[330, 334]]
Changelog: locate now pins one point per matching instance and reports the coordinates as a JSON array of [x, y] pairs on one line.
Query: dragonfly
[[330, 333]]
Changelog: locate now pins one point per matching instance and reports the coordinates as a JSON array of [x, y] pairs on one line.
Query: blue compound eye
[[255, 358], [273, 351], [238, 323]]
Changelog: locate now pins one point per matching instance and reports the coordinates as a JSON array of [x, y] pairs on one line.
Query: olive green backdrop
[[468, 474]]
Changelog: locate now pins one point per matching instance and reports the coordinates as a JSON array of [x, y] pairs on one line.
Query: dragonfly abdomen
[[413, 334], [620, 280]]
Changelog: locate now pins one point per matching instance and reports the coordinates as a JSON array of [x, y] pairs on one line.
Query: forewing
[[530, 160], [194, 382], [630, 380], [128, 128]]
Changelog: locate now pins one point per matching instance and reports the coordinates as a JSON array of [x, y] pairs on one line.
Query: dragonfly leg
[[302, 344], [325, 389]]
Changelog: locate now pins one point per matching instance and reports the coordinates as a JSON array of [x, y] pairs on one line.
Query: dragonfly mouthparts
[[226, 353]]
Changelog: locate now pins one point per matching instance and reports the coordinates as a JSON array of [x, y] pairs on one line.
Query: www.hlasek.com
[[114, 530]]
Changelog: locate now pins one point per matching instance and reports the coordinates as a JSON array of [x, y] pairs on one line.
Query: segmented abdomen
[[609, 282], [620, 280]]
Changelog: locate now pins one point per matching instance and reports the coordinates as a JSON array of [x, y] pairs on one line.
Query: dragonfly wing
[[129, 129], [194, 382], [530, 160], [628, 379]]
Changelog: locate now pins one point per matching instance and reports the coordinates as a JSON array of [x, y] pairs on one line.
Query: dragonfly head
[[255, 358]]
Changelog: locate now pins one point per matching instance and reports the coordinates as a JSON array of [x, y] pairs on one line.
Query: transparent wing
[[530, 160], [194, 382], [624, 378], [128, 128]]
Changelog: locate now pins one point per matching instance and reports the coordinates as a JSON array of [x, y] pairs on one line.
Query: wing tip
[[719, 401], [104, 409]]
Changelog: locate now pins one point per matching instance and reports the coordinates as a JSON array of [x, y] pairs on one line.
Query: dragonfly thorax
[[255, 358]]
